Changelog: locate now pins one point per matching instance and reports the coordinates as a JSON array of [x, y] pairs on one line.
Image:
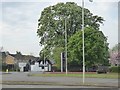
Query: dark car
[[102, 69]]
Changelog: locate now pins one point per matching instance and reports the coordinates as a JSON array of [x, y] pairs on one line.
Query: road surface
[[56, 81]]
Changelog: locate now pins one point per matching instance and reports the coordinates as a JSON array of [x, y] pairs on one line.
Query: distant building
[[41, 66], [10, 61], [25, 62], [22, 66]]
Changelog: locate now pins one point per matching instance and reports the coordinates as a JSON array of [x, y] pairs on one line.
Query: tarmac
[[22, 78]]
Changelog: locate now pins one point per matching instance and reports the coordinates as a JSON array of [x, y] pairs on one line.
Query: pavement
[[48, 86], [22, 78]]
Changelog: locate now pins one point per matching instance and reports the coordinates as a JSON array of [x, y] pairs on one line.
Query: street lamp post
[[44, 54], [66, 46], [83, 40]]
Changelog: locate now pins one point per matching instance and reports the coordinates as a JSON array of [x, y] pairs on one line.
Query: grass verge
[[87, 75]]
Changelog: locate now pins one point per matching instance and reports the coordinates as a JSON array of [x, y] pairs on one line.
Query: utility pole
[[83, 40], [66, 46]]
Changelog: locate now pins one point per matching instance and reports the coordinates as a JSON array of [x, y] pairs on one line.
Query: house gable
[[10, 59]]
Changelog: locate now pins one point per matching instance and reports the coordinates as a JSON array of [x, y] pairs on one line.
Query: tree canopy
[[96, 47], [52, 22], [51, 30]]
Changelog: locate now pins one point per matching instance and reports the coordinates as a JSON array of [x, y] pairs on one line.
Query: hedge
[[114, 69]]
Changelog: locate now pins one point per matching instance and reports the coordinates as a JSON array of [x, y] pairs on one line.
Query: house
[[22, 66], [41, 66], [15, 61], [10, 61], [25, 62]]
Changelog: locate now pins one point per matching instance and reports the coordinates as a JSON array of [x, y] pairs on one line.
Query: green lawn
[[87, 75]]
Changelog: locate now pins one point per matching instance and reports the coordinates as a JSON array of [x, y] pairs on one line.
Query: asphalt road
[[58, 81]]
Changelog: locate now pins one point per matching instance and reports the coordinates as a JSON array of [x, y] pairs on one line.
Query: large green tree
[[96, 48], [51, 24]]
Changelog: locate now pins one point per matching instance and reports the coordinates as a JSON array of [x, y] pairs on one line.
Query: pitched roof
[[18, 56]]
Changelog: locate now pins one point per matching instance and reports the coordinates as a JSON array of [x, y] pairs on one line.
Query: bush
[[54, 68], [4, 67], [114, 69]]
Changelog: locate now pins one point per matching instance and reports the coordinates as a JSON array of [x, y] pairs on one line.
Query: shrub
[[115, 69]]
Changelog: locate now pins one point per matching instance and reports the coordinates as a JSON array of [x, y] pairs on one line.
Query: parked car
[[102, 69]]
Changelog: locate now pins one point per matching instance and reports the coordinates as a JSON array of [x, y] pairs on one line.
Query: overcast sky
[[18, 22]]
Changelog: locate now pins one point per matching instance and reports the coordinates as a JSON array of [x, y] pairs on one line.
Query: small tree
[[96, 48]]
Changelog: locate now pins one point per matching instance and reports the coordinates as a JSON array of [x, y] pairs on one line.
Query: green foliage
[[116, 47], [51, 30], [57, 56], [96, 47], [87, 75], [4, 67], [115, 69], [45, 53], [51, 24]]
